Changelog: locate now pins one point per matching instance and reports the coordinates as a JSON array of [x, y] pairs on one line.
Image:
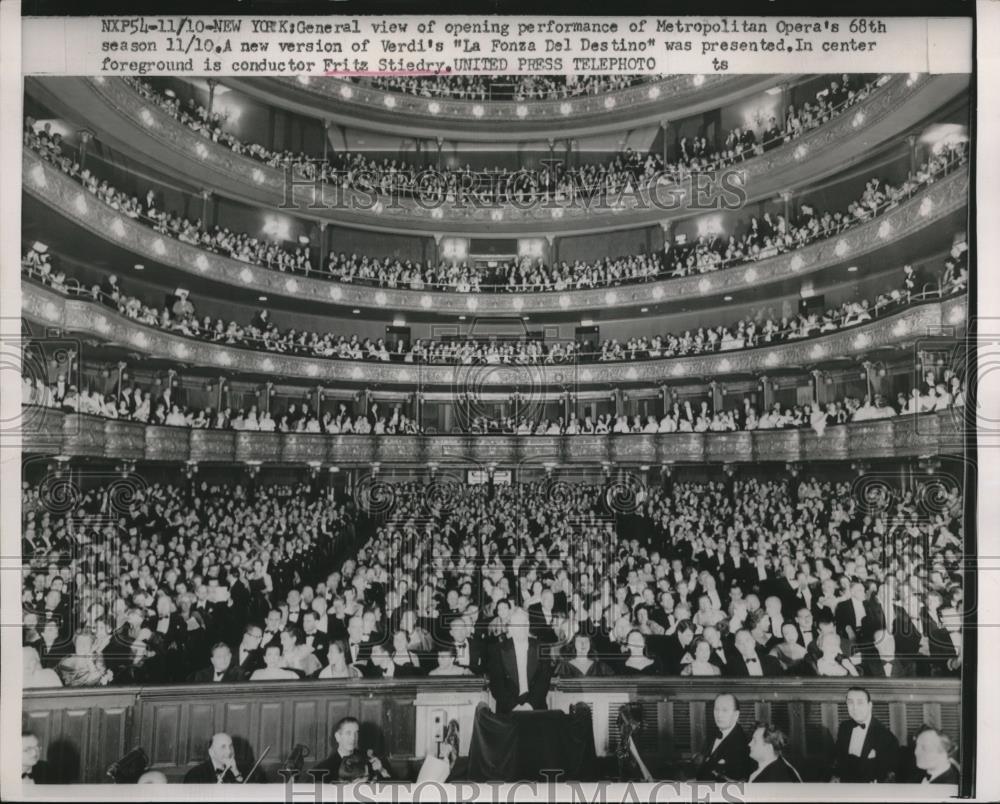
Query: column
[[911, 141], [220, 394], [664, 128], [552, 150], [786, 99], [322, 245], [619, 405], [664, 400], [326, 140], [786, 197], [318, 400], [440, 144], [265, 405], [667, 228], [86, 135], [767, 392], [567, 403], [212, 84], [553, 251], [716, 389], [418, 409], [819, 387], [205, 207], [121, 377]]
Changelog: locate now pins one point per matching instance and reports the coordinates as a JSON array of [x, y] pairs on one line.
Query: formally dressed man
[[884, 662], [934, 753], [766, 748], [221, 766], [854, 616], [345, 737], [34, 770], [221, 669], [745, 660], [248, 656], [727, 753], [866, 750], [542, 615], [519, 674], [315, 639], [272, 669]]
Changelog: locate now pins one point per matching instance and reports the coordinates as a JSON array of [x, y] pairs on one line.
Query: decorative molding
[[52, 309], [52, 187], [835, 143], [80, 435]]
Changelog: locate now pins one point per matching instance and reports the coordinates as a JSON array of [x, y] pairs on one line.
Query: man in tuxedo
[[766, 748], [940, 648], [854, 617], [885, 663], [272, 629], [345, 736], [315, 639], [678, 647], [359, 649], [746, 661], [221, 669], [248, 656], [519, 674], [34, 770], [934, 754], [221, 766], [866, 750], [541, 615], [727, 753], [468, 650]]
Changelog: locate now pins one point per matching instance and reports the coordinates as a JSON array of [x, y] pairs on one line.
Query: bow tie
[[751, 661], [861, 726], [26, 775], [219, 772]]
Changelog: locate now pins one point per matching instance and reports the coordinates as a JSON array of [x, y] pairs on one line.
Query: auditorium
[[511, 471]]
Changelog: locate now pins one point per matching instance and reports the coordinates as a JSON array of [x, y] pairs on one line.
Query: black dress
[[566, 669]]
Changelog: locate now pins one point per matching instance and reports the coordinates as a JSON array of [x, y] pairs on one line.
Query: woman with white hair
[[830, 661], [35, 676]]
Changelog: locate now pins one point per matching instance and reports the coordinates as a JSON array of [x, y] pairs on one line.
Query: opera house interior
[[471, 427]]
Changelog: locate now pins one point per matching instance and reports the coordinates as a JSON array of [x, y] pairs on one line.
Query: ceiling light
[[852, 269], [262, 298], [727, 298], [644, 310], [356, 311]]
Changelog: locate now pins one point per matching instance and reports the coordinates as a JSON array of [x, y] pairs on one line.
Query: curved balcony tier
[[53, 309], [52, 432], [56, 190], [127, 121], [364, 106]]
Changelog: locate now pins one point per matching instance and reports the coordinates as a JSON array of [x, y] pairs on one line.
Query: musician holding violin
[[221, 766], [347, 763]]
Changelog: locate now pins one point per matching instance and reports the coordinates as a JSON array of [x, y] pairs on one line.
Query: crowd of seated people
[[741, 578], [179, 317], [765, 237], [505, 87], [397, 177]]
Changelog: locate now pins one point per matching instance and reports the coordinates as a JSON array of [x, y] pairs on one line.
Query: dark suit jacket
[[867, 768], [204, 773], [207, 676], [539, 628], [730, 761], [320, 645], [846, 617], [875, 668], [504, 682], [950, 776], [736, 666], [253, 661], [778, 771]]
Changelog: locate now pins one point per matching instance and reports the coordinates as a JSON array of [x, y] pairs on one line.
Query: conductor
[[519, 675], [221, 766]]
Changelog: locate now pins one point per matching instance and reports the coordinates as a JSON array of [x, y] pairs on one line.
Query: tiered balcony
[[48, 431], [645, 103], [52, 309], [127, 120], [934, 204]]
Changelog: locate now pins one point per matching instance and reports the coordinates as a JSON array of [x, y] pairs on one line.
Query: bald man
[[519, 674], [221, 766]]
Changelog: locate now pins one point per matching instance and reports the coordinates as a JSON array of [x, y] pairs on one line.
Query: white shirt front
[[721, 737], [521, 661], [859, 610], [858, 734], [753, 666]]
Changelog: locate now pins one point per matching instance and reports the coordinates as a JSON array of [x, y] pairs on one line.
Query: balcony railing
[[54, 309], [655, 92], [59, 191], [48, 431], [822, 149]]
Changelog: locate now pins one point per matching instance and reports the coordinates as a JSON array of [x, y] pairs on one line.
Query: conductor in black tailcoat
[[519, 674]]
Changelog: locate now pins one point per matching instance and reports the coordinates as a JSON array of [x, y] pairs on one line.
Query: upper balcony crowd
[[628, 171], [740, 579], [505, 87], [764, 237]]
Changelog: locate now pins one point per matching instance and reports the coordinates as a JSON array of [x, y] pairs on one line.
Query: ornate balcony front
[[84, 436], [645, 103], [55, 189], [51, 309], [115, 109]]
